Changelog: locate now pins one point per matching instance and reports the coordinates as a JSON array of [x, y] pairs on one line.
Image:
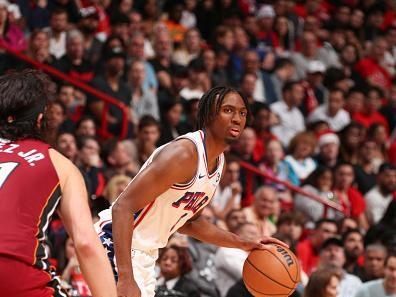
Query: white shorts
[[143, 262]]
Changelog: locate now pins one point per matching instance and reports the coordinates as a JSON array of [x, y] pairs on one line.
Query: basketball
[[274, 271]]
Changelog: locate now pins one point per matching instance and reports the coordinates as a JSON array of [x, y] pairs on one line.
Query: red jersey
[[29, 195]]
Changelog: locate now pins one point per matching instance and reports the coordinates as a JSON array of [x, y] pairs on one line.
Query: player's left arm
[[201, 229]]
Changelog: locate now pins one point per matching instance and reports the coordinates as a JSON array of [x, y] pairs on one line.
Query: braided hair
[[210, 103]]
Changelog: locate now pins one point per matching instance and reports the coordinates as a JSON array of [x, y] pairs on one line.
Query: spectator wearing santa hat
[[329, 148]]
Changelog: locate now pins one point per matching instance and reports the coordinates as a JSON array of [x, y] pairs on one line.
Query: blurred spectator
[[379, 197], [72, 63], [263, 210], [190, 49], [75, 105], [247, 85], [351, 138], [85, 127], [384, 231], [234, 219], [275, 165], [72, 276], [189, 19], [175, 28], [367, 167], [354, 101], [389, 109], [316, 92], [371, 68], [38, 48], [10, 34], [262, 121], [319, 182], [301, 149], [374, 262], [379, 134], [197, 82], [143, 101], [67, 146], [115, 186], [370, 115], [353, 246], [382, 287], [290, 121], [332, 254], [170, 122], [117, 159], [329, 148], [174, 263], [146, 140], [283, 72], [351, 199], [111, 83], [203, 254], [229, 261], [57, 32], [162, 61], [228, 193], [310, 51], [90, 163], [171, 92], [189, 123], [136, 52], [323, 283], [290, 224], [308, 249], [332, 112], [120, 26], [88, 25]]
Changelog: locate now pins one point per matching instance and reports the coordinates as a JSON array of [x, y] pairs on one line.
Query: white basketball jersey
[[156, 222]]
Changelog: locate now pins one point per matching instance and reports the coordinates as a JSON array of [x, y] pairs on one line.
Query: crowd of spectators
[[320, 78]]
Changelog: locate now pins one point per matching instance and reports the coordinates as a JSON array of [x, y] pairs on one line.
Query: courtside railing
[[328, 203], [107, 100]]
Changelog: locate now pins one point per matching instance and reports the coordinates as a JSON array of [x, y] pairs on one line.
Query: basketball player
[[168, 194], [35, 180]]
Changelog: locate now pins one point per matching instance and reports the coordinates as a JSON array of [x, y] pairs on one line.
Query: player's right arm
[[77, 219], [175, 163]]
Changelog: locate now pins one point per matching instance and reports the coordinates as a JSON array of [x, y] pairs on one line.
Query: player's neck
[[213, 148]]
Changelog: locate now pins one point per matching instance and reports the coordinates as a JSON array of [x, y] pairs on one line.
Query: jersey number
[[5, 170]]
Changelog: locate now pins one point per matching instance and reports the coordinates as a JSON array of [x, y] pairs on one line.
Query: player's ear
[[40, 119]]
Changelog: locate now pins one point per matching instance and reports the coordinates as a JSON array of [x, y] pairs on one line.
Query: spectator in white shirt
[[228, 194], [229, 261], [385, 287], [57, 31], [332, 255], [290, 119], [379, 197], [332, 112]]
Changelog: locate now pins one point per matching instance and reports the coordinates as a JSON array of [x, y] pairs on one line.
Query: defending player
[[35, 180], [167, 195]]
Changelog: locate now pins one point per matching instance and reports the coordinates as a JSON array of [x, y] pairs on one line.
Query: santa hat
[[328, 137]]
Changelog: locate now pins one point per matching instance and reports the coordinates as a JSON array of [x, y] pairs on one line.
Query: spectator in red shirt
[[370, 114], [262, 123], [371, 69], [350, 198], [308, 249]]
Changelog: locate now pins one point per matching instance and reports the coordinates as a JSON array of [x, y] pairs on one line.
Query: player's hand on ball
[[128, 289], [261, 244]]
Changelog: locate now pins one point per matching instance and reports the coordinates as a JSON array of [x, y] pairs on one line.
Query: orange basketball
[[271, 272]]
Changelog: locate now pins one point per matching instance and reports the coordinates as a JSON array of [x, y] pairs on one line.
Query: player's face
[[231, 119]]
